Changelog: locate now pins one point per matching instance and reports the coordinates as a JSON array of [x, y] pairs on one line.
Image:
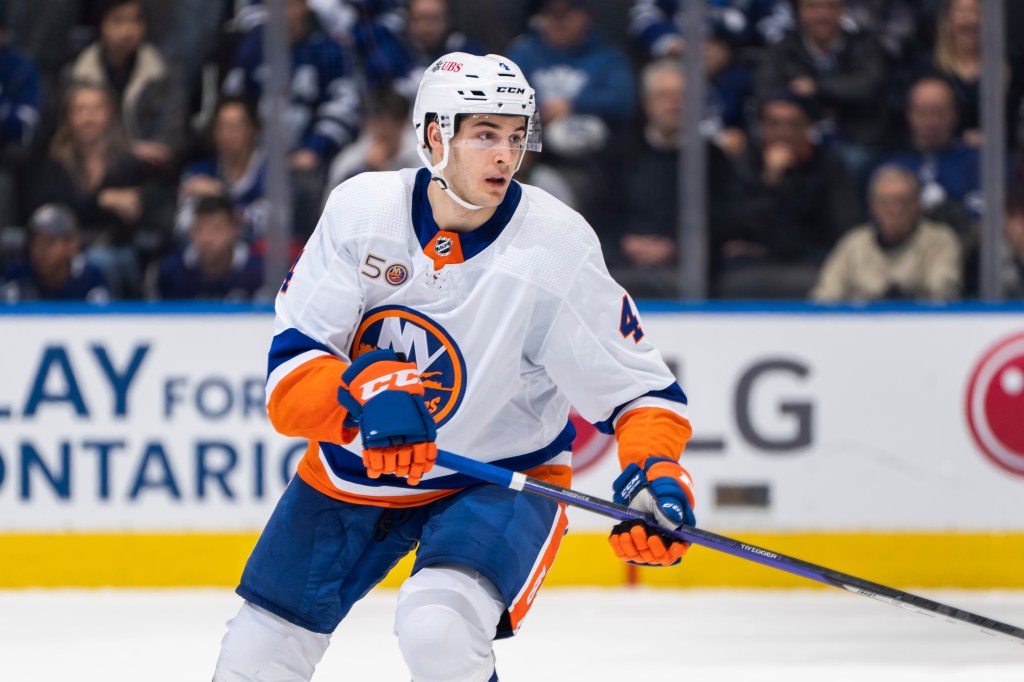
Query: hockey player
[[448, 307]]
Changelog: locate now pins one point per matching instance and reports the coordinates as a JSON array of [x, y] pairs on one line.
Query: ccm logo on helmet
[[448, 66], [512, 90]]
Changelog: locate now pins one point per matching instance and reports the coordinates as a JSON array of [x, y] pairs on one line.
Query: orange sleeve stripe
[[305, 402], [651, 432]]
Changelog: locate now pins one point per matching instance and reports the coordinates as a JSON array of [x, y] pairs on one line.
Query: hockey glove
[[661, 488], [384, 399]]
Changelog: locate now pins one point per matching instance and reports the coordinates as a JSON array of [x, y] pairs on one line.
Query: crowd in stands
[[842, 137]]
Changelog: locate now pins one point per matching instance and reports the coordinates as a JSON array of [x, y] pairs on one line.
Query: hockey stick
[[521, 482]]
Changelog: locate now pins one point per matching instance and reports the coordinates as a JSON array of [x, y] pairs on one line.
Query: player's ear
[[434, 136]]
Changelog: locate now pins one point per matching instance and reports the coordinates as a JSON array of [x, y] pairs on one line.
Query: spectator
[[1012, 268], [658, 25], [431, 36], [793, 199], [151, 102], [643, 252], [586, 99], [349, 22], [947, 169], [55, 270], [216, 264], [842, 71], [893, 23], [958, 59], [190, 36], [584, 85], [387, 142], [898, 255], [324, 108], [237, 168], [730, 87], [398, 58], [123, 213], [19, 116]]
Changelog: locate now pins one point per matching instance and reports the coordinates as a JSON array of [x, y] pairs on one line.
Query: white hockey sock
[[260, 646], [445, 622]]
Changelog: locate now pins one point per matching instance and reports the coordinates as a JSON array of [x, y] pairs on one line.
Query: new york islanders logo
[[995, 404], [438, 360]]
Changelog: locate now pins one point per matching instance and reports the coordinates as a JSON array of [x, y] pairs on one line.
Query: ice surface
[[696, 636]]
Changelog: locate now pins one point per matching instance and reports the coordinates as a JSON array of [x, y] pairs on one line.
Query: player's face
[[484, 155]]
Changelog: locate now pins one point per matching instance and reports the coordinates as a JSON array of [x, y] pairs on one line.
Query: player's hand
[[663, 489], [411, 460], [384, 398]]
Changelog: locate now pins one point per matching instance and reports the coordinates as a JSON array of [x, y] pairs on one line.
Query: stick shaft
[[517, 481]]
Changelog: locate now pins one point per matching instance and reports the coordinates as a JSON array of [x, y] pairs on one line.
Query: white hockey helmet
[[461, 83]]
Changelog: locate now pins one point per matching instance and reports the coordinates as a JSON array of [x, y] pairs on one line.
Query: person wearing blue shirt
[[216, 264], [947, 169], [657, 25], [323, 111], [237, 167], [19, 117], [55, 269], [585, 86], [324, 107]]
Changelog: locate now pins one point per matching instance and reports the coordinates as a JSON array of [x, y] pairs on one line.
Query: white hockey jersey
[[508, 324]]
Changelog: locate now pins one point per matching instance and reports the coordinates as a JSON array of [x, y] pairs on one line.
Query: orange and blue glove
[[663, 489], [384, 398]]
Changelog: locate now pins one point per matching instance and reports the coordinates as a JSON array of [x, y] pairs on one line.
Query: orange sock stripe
[[524, 600], [651, 432], [304, 403]]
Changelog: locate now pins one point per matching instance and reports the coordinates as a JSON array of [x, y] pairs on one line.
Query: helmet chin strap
[[437, 175]]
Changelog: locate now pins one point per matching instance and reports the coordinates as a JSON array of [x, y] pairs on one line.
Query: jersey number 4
[[629, 323]]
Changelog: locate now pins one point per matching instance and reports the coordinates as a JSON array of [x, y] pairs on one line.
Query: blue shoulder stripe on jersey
[[673, 392], [474, 241], [348, 465], [287, 345]]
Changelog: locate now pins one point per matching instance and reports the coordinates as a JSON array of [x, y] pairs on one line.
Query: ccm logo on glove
[[396, 380], [384, 398]]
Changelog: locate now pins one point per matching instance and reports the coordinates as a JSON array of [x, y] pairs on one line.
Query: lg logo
[[995, 404]]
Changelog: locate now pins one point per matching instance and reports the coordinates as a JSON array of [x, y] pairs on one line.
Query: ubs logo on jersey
[[423, 341], [995, 404]]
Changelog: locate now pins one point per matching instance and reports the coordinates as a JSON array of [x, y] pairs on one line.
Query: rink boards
[[884, 442]]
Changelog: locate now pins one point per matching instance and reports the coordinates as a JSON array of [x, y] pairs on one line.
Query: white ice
[[692, 636]]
